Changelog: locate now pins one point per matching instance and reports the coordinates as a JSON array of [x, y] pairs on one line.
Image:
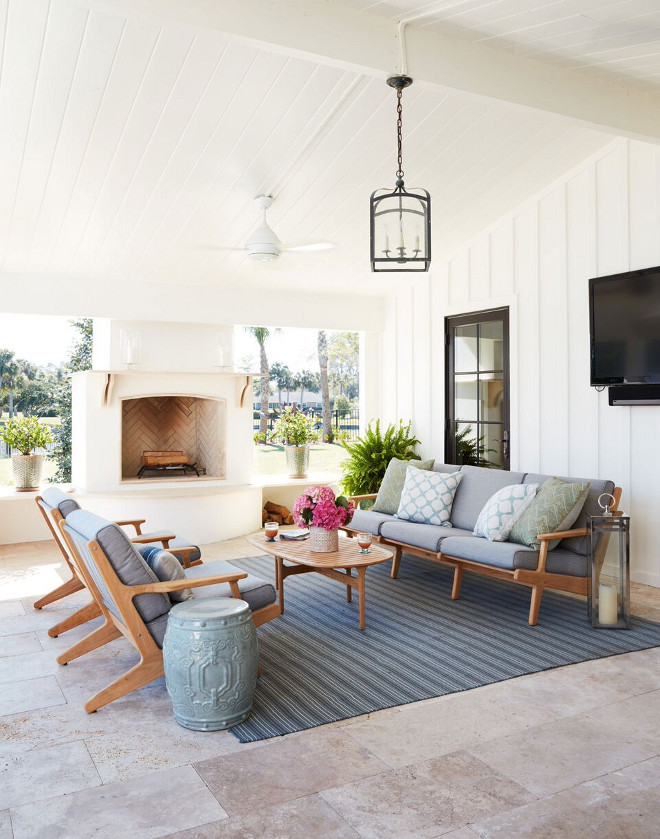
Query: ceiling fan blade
[[214, 248], [310, 247]]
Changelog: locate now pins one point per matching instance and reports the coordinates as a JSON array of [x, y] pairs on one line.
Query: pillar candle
[[607, 605]]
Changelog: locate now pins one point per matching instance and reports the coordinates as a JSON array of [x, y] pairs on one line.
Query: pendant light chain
[[399, 131]]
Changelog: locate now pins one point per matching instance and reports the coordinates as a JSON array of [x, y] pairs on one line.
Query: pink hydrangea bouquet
[[318, 507]]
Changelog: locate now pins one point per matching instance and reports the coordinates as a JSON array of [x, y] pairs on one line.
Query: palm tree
[[10, 372], [280, 374], [261, 333], [307, 381], [325, 390]]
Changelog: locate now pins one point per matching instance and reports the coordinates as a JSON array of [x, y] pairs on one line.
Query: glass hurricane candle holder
[[609, 586]]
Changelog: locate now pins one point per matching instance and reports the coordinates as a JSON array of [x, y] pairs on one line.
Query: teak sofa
[[564, 567]]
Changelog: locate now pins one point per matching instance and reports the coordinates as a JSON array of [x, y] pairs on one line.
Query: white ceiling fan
[[263, 245]]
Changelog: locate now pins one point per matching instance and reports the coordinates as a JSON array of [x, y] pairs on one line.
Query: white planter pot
[[27, 471], [323, 541], [297, 460]]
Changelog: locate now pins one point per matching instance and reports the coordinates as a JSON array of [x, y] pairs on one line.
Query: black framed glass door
[[477, 377]]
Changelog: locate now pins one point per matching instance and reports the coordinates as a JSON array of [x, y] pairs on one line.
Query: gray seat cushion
[[477, 486], [559, 561], [255, 591], [367, 521], [496, 554], [578, 544], [127, 563], [157, 628], [428, 537], [55, 497]]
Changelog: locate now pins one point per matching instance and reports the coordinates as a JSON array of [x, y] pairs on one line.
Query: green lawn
[[323, 457], [7, 478]]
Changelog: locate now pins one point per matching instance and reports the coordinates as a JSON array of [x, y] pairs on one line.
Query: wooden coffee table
[[338, 565]]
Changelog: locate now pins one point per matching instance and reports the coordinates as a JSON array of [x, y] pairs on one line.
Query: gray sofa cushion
[[446, 467], [55, 497], [578, 544], [428, 537], [559, 561], [129, 566], [368, 521], [477, 486], [255, 591], [497, 554]]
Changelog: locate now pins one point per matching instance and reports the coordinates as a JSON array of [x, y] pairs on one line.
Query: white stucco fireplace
[[171, 394]]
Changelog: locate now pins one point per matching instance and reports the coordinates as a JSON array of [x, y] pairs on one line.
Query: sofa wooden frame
[[130, 624], [537, 579]]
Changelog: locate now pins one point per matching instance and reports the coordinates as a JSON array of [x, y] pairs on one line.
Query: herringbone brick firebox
[[190, 424]]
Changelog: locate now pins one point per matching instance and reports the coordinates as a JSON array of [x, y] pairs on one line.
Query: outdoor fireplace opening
[[173, 436]]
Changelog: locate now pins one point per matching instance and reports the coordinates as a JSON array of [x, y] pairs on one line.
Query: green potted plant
[[25, 434], [296, 432], [368, 456]]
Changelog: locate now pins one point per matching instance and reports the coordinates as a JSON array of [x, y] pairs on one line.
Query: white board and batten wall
[[601, 218]]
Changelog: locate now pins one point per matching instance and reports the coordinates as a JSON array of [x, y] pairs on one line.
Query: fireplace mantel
[[244, 378]]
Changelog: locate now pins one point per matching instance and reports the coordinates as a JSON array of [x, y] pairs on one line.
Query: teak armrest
[[185, 554], [137, 524], [562, 534], [368, 496], [145, 540], [178, 585]]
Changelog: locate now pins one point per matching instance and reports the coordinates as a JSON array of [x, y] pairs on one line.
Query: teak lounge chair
[[135, 604]]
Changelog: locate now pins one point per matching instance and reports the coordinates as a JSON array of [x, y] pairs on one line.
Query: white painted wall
[[601, 218]]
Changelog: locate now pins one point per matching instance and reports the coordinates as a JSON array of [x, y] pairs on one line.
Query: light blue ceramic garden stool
[[211, 656]]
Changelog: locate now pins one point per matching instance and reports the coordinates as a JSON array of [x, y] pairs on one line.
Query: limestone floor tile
[[636, 717], [425, 800], [29, 694], [157, 744], [623, 805], [16, 645], [463, 720], [29, 665], [5, 825], [293, 767], [10, 608], [44, 773], [59, 724], [32, 621], [154, 805], [304, 818], [461, 833], [560, 754]]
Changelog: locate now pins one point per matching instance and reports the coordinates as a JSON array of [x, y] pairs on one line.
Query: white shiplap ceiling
[[619, 39], [129, 144]]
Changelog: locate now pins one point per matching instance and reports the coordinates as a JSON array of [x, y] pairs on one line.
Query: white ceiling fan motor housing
[[263, 245]]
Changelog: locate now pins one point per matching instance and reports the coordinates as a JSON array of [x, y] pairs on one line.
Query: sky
[[46, 339]]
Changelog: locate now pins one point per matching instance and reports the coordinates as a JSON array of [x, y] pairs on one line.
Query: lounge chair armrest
[[365, 497], [145, 540], [178, 585], [184, 554], [562, 534], [137, 524]]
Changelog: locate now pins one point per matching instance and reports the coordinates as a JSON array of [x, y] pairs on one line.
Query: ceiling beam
[[332, 34]]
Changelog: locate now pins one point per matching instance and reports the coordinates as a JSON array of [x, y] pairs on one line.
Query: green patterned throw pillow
[[556, 507], [389, 493]]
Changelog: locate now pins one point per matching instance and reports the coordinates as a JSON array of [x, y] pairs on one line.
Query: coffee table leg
[[348, 587], [279, 578], [360, 587]]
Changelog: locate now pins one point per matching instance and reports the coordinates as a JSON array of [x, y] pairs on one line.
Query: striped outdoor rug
[[317, 667]]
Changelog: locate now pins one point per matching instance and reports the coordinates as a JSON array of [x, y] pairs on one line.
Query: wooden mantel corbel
[[107, 390]]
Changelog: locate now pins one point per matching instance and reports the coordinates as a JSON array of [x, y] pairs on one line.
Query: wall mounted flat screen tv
[[624, 321]]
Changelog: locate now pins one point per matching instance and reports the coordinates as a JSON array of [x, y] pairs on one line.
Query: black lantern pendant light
[[400, 218]]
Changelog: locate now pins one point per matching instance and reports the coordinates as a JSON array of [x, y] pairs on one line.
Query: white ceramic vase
[[27, 471]]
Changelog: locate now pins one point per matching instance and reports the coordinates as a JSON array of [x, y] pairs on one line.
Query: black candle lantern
[[609, 595], [400, 219]]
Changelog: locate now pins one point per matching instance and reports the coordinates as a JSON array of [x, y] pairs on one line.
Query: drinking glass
[[272, 529], [364, 540]]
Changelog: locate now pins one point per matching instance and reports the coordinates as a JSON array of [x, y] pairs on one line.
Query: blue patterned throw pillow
[[502, 511], [427, 497]]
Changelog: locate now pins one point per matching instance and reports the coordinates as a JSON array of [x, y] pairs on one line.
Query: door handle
[[505, 444]]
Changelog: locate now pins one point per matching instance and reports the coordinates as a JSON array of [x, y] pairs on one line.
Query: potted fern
[[296, 432], [369, 456], [25, 434]]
